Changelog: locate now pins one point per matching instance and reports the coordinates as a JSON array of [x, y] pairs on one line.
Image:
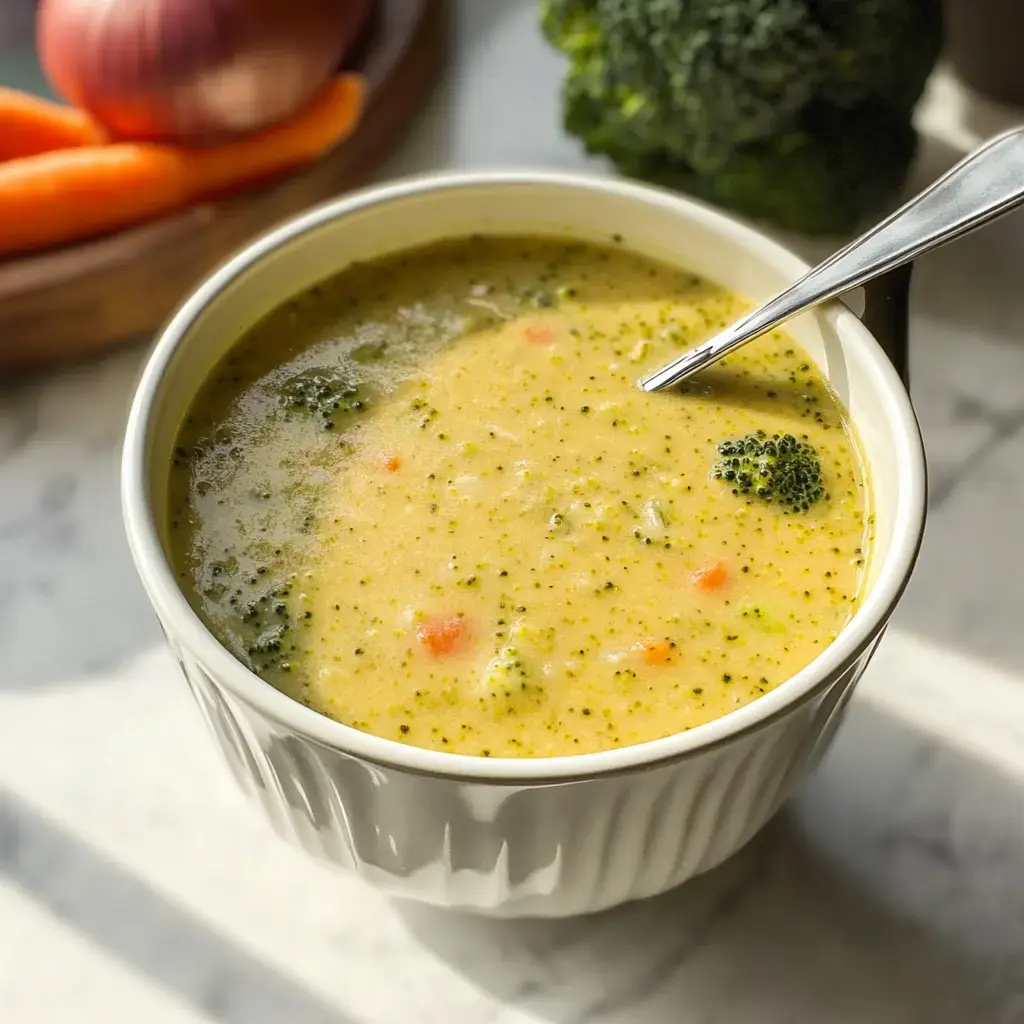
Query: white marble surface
[[135, 885]]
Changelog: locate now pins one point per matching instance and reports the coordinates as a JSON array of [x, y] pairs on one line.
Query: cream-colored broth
[[502, 474]]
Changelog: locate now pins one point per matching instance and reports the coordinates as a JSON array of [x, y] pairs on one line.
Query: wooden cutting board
[[72, 302]]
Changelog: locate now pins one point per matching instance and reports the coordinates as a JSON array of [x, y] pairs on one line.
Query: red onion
[[193, 69]]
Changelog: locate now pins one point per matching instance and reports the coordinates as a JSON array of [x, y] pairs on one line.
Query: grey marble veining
[[890, 891]]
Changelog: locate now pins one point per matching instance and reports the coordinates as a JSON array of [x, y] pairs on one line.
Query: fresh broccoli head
[[777, 469], [796, 111]]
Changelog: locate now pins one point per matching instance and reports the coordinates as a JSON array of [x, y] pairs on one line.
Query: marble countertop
[[136, 885]]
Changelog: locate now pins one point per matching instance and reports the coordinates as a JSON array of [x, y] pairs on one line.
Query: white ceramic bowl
[[551, 836]]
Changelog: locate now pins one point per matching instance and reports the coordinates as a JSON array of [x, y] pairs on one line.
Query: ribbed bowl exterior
[[555, 849]]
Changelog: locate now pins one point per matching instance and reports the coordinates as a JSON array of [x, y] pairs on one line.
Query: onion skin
[[193, 71]]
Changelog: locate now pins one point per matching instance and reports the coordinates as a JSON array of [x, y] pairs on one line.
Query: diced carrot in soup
[[443, 636], [711, 577]]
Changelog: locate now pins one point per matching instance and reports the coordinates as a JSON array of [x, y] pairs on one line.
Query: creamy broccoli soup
[[427, 500]]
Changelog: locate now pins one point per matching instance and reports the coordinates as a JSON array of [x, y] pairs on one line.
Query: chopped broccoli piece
[[370, 352], [795, 111], [324, 394], [760, 618], [269, 640], [779, 470], [559, 524], [505, 672]]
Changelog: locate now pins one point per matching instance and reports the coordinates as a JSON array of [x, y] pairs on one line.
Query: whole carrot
[[61, 197], [30, 125], [310, 134]]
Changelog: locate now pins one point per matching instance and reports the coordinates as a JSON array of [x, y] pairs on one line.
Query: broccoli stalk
[[779, 470], [793, 111]]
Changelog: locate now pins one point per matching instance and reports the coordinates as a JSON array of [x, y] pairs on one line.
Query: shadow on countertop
[[888, 892], [881, 895]]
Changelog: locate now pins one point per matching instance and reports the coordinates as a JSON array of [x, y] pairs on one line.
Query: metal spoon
[[983, 186]]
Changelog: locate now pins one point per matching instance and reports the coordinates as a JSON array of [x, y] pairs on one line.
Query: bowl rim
[[183, 625]]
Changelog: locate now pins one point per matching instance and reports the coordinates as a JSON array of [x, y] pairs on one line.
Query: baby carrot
[[75, 193], [55, 198], [30, 125]]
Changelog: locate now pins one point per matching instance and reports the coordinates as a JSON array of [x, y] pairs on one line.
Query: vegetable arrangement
[[797, 112], [68, 194], [171, 104]]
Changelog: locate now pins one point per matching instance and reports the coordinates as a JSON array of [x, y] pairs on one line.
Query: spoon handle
[[983, 186]]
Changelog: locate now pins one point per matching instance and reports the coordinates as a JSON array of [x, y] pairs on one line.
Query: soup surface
[[427, 499]]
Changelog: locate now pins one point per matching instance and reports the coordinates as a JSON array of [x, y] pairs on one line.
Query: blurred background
[[889, 891]]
